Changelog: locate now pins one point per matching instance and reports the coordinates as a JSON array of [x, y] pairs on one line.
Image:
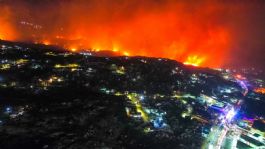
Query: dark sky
[[248, 30], [242, 20]]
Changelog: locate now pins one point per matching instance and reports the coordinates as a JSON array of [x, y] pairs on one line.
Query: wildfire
[[73, 49], [169, 30], [194, 60], [115, 50], [126, 53], [46, 42], [6, 27], [4, 36]]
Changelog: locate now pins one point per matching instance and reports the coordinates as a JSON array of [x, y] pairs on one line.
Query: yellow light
[[194, 60], [50, 80], [72, 65], [5, 66], [21, 61], [187, 63], [118, 94], [66, 66], [138, 106], [1, 37], [73, 49], [115, 50], [126, 53], [50, 53], [73, 69]]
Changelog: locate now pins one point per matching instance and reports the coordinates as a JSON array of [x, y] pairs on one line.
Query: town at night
[[147, 74]]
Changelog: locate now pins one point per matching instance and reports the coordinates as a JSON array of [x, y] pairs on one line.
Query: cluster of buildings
[[161, 95]]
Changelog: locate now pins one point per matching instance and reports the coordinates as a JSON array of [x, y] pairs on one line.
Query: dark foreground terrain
[[56, 99]]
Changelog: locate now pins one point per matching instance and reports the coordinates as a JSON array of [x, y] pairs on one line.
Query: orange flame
[[260, 90], [169, 29], [194, 60], [46, 42], [73, 49], [6, 27]]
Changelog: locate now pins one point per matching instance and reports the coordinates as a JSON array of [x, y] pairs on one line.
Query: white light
[[210, 146], [231, 113]]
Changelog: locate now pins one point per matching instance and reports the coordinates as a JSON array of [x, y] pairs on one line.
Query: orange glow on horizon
[[4, 32], [115, 49], [7, 31], [46, 42], [170, 29]]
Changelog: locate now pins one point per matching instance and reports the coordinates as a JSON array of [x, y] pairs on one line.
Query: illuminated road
[[220, 140], [211, 140], [216, 138], [139, 108], [225, 130], [219, 136]]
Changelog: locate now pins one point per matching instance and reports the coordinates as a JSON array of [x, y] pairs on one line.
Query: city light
[[144, 74], [218, 105], [260, 90], [230, 114], [66, 66]]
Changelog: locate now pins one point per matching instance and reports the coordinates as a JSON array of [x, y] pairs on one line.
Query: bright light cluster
[[194, 60], [230, 114]]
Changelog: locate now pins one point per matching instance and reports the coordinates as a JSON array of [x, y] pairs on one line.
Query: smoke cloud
[[204, 33]]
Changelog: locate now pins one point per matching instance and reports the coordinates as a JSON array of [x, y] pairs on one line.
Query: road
[[134, 99], [226, 130]]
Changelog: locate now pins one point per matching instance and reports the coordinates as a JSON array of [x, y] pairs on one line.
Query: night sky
[[220, 32]]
